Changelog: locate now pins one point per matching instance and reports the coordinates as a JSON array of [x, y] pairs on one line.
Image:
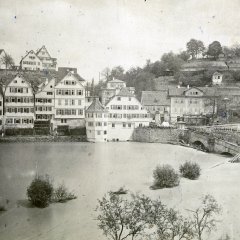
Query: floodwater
[[91, 170]]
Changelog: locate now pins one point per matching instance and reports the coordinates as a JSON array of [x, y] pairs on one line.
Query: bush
[[61, 194], [190, 170], [40, 191], [165, 177]]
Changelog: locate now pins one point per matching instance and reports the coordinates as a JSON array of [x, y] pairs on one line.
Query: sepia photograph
[[119, 120]]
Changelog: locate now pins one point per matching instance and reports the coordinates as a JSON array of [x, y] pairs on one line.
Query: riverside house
[[31, 62], [70, 102], [193, 105], [44, 100], [19, 103]]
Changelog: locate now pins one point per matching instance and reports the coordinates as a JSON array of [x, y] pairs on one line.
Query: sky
[[93, 34]]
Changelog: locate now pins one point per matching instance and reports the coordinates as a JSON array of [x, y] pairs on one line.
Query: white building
[[48, 63], [44, 101], [19, 103], [96, 122], [125, 113], [69, 102], [31, 62], [217, 78]]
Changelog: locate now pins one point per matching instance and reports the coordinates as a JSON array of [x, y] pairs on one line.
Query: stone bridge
[[212, 143]]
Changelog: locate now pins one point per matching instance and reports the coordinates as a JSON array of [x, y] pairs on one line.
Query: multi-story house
[[117, 120], [31, 62], [193, 105], [48, 62], [70, 102], [157, 102], [19, 103], [44, 100], [96, 122]]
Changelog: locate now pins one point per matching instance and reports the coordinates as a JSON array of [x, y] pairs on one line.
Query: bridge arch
[[200, 145]]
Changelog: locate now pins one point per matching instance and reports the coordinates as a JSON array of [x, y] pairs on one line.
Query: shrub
[[165, 177], [61, 194], [190, 170], [40, 191]]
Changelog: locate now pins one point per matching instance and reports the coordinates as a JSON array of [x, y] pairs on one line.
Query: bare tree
[[7, 60], [204, 217]]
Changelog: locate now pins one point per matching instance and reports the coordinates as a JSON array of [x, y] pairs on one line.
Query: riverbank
[[40, 138]]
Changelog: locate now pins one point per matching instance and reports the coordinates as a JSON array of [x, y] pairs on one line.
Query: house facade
[[157, 102], [31, 62], [193, 105], [19, 104], [217, 78], [44, 101], [48, 62], [69, 102], [96, 122]]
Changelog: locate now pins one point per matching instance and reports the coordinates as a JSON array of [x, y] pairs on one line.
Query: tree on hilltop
[[214, 49], [195, 47]]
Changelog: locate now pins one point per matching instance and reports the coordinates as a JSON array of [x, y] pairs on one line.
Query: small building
[[217, 78], [19, 104], [69, 102], [125, 114], [44, 101], [96, 122], [48, 62], [116, 83], [31, 62], [156, 101], [193, 105]]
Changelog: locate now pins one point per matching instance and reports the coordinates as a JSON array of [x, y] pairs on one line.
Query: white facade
[[19, 104], [44, 101], [69, 102], [31, 62], [125, 114], [96, 122], [217, 78], [48, 63], [115, 83]]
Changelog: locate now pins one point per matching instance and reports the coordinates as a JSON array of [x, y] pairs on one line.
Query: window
[[90, 124], [80, 112], [129, 125], [98, 124], [113, 125], [49, 93], [119, 98], [79, 92], [98, 132], [63, 120], [140, 125], [129, 99], [105, 132], [105, 124], [124, 125]]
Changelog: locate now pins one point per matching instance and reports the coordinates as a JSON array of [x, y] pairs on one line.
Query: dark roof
[[61, 74], [124, 92], [96, 106], [155, 98], [207, 91]]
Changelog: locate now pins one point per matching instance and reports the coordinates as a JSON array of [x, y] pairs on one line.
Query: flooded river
[[91, 170]]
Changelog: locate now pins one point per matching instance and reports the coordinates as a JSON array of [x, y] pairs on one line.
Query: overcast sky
[[94, 34]]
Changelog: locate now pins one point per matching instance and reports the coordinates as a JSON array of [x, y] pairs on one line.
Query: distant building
[[113, 87], [125, 114], [217, 78], [96, 122], [48, 62], [69, 102], [44, 101], [19, 104], [2, 54], [156, 102], [31, 62], [193, 105]]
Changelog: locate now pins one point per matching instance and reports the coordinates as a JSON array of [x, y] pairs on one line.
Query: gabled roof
[[116, 81], [124, 92], [207, 91], [155, 98], [96, 106], [62, 74], [38, 51]]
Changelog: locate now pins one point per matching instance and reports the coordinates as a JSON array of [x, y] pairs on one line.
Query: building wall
[[31, 62], [96, 126], [19, 104], [115, 85], [217, 79], [44, 102], [47, 61], [125, 114], [69, 101]]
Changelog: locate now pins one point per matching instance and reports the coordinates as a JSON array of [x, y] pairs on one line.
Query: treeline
[[142, 78]]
